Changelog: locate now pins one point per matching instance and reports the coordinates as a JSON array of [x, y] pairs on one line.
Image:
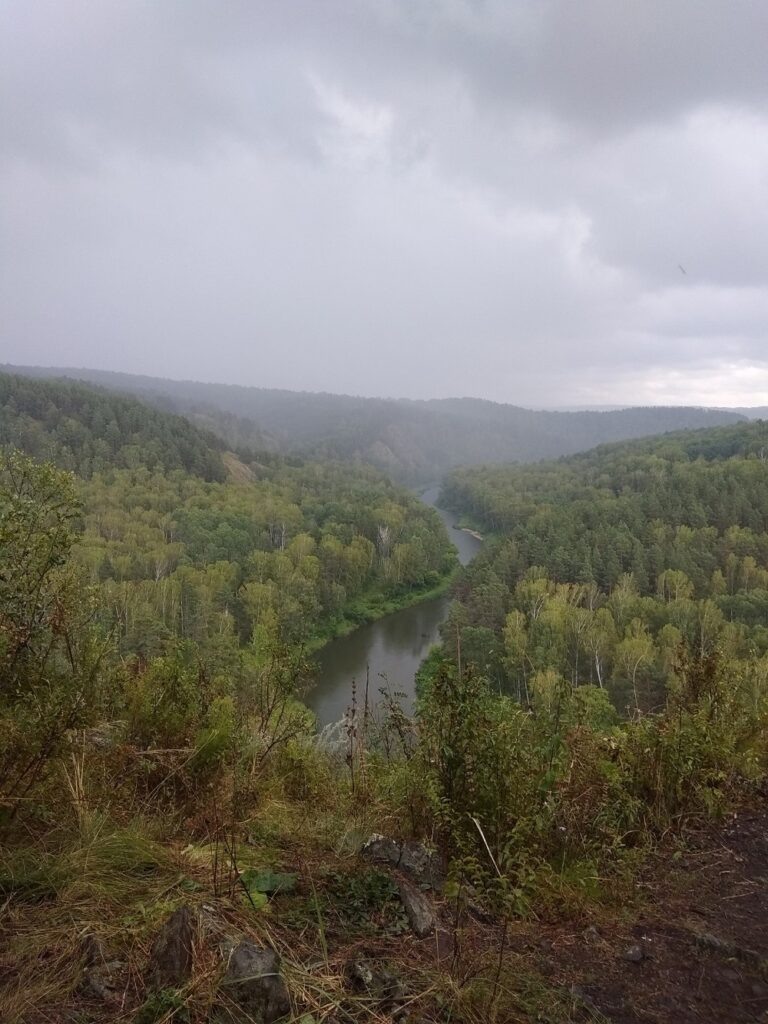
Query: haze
[[545, 203]]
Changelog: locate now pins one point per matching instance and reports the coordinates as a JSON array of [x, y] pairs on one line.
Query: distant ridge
[[415, 441]]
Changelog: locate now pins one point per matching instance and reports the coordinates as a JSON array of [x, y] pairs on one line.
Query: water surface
[[388, 651]]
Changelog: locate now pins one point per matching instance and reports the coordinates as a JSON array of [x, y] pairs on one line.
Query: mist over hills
[[415, 441]]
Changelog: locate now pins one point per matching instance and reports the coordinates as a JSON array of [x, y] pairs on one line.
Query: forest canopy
[[602, 564]]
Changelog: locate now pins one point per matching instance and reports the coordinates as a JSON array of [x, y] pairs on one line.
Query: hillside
[[539, 844], [604, 563], [88, 430], [413, 441]]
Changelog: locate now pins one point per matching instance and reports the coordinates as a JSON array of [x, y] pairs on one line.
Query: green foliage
[[268, 881], [604, 564], [412, 441], [606, 609], [563, 788], [51, 654], [365, 902], [164, 702], [252, 895], [176, 557], [164, 1005], [87, 430]]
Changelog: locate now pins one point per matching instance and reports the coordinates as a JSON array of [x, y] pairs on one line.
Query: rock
[[104, 736], [377, 982], [421, 863], [381, 850], [421, 916], [727, 949], [414, 858], [591, 934], [101, 977], [170, 961], [634, 955], [254, 985], [105, 981], [92, 950]]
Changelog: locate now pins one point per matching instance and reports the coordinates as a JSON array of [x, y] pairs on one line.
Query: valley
[[264, 692]]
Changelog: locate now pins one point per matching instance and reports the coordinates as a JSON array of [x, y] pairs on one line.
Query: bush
[[51, 654]]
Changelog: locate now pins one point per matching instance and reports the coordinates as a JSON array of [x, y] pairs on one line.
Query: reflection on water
[[389, 650]]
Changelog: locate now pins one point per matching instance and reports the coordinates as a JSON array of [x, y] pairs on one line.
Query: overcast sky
[[546, 202]]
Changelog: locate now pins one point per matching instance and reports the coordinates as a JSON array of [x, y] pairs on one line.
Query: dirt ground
[[691, 948], [698, 951]]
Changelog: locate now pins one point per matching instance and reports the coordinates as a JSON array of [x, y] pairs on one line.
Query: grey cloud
[[391, 197]]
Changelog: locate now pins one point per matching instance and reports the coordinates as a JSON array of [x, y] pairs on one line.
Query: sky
[[541, 202]]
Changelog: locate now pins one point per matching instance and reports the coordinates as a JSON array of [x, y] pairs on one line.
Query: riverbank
[[372, 607], [386, 639]]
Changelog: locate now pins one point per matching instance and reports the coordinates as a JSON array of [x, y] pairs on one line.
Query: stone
[[591, 934], [381, 850], [92, 950], [170, 961], [414, 858], [634, 955], [727, 949], [421, 863], [105, 981], [421, 916], [253, 984], [105, 736], [377, 982]]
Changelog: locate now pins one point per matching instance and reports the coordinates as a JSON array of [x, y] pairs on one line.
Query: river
[[388, 650]]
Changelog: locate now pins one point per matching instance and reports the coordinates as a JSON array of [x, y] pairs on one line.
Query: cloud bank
[[544, 202]]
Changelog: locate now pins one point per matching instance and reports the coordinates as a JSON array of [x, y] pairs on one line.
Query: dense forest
[[412, 441], [168, 808], [178, 550], [87, 430], [603, 564], [604, 669]]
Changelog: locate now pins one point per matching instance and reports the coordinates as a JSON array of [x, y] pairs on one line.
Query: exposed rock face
[[414, 858], [381, 850], [170, 962], [418, 908], [254, 986]]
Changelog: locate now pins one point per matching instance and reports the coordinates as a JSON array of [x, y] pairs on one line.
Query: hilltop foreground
[[572, 828]]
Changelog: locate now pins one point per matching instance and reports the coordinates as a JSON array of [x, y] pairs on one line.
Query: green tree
[[50, 652]]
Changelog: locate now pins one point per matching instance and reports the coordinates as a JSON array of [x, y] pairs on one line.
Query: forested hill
[[696, 478], [604, 563], [413, 441], [87, 430]]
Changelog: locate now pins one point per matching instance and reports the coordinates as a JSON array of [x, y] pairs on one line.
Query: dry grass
[[103, 879]]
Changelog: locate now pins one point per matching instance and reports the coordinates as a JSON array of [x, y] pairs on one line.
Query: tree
[[50, 652], [634, 653]]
